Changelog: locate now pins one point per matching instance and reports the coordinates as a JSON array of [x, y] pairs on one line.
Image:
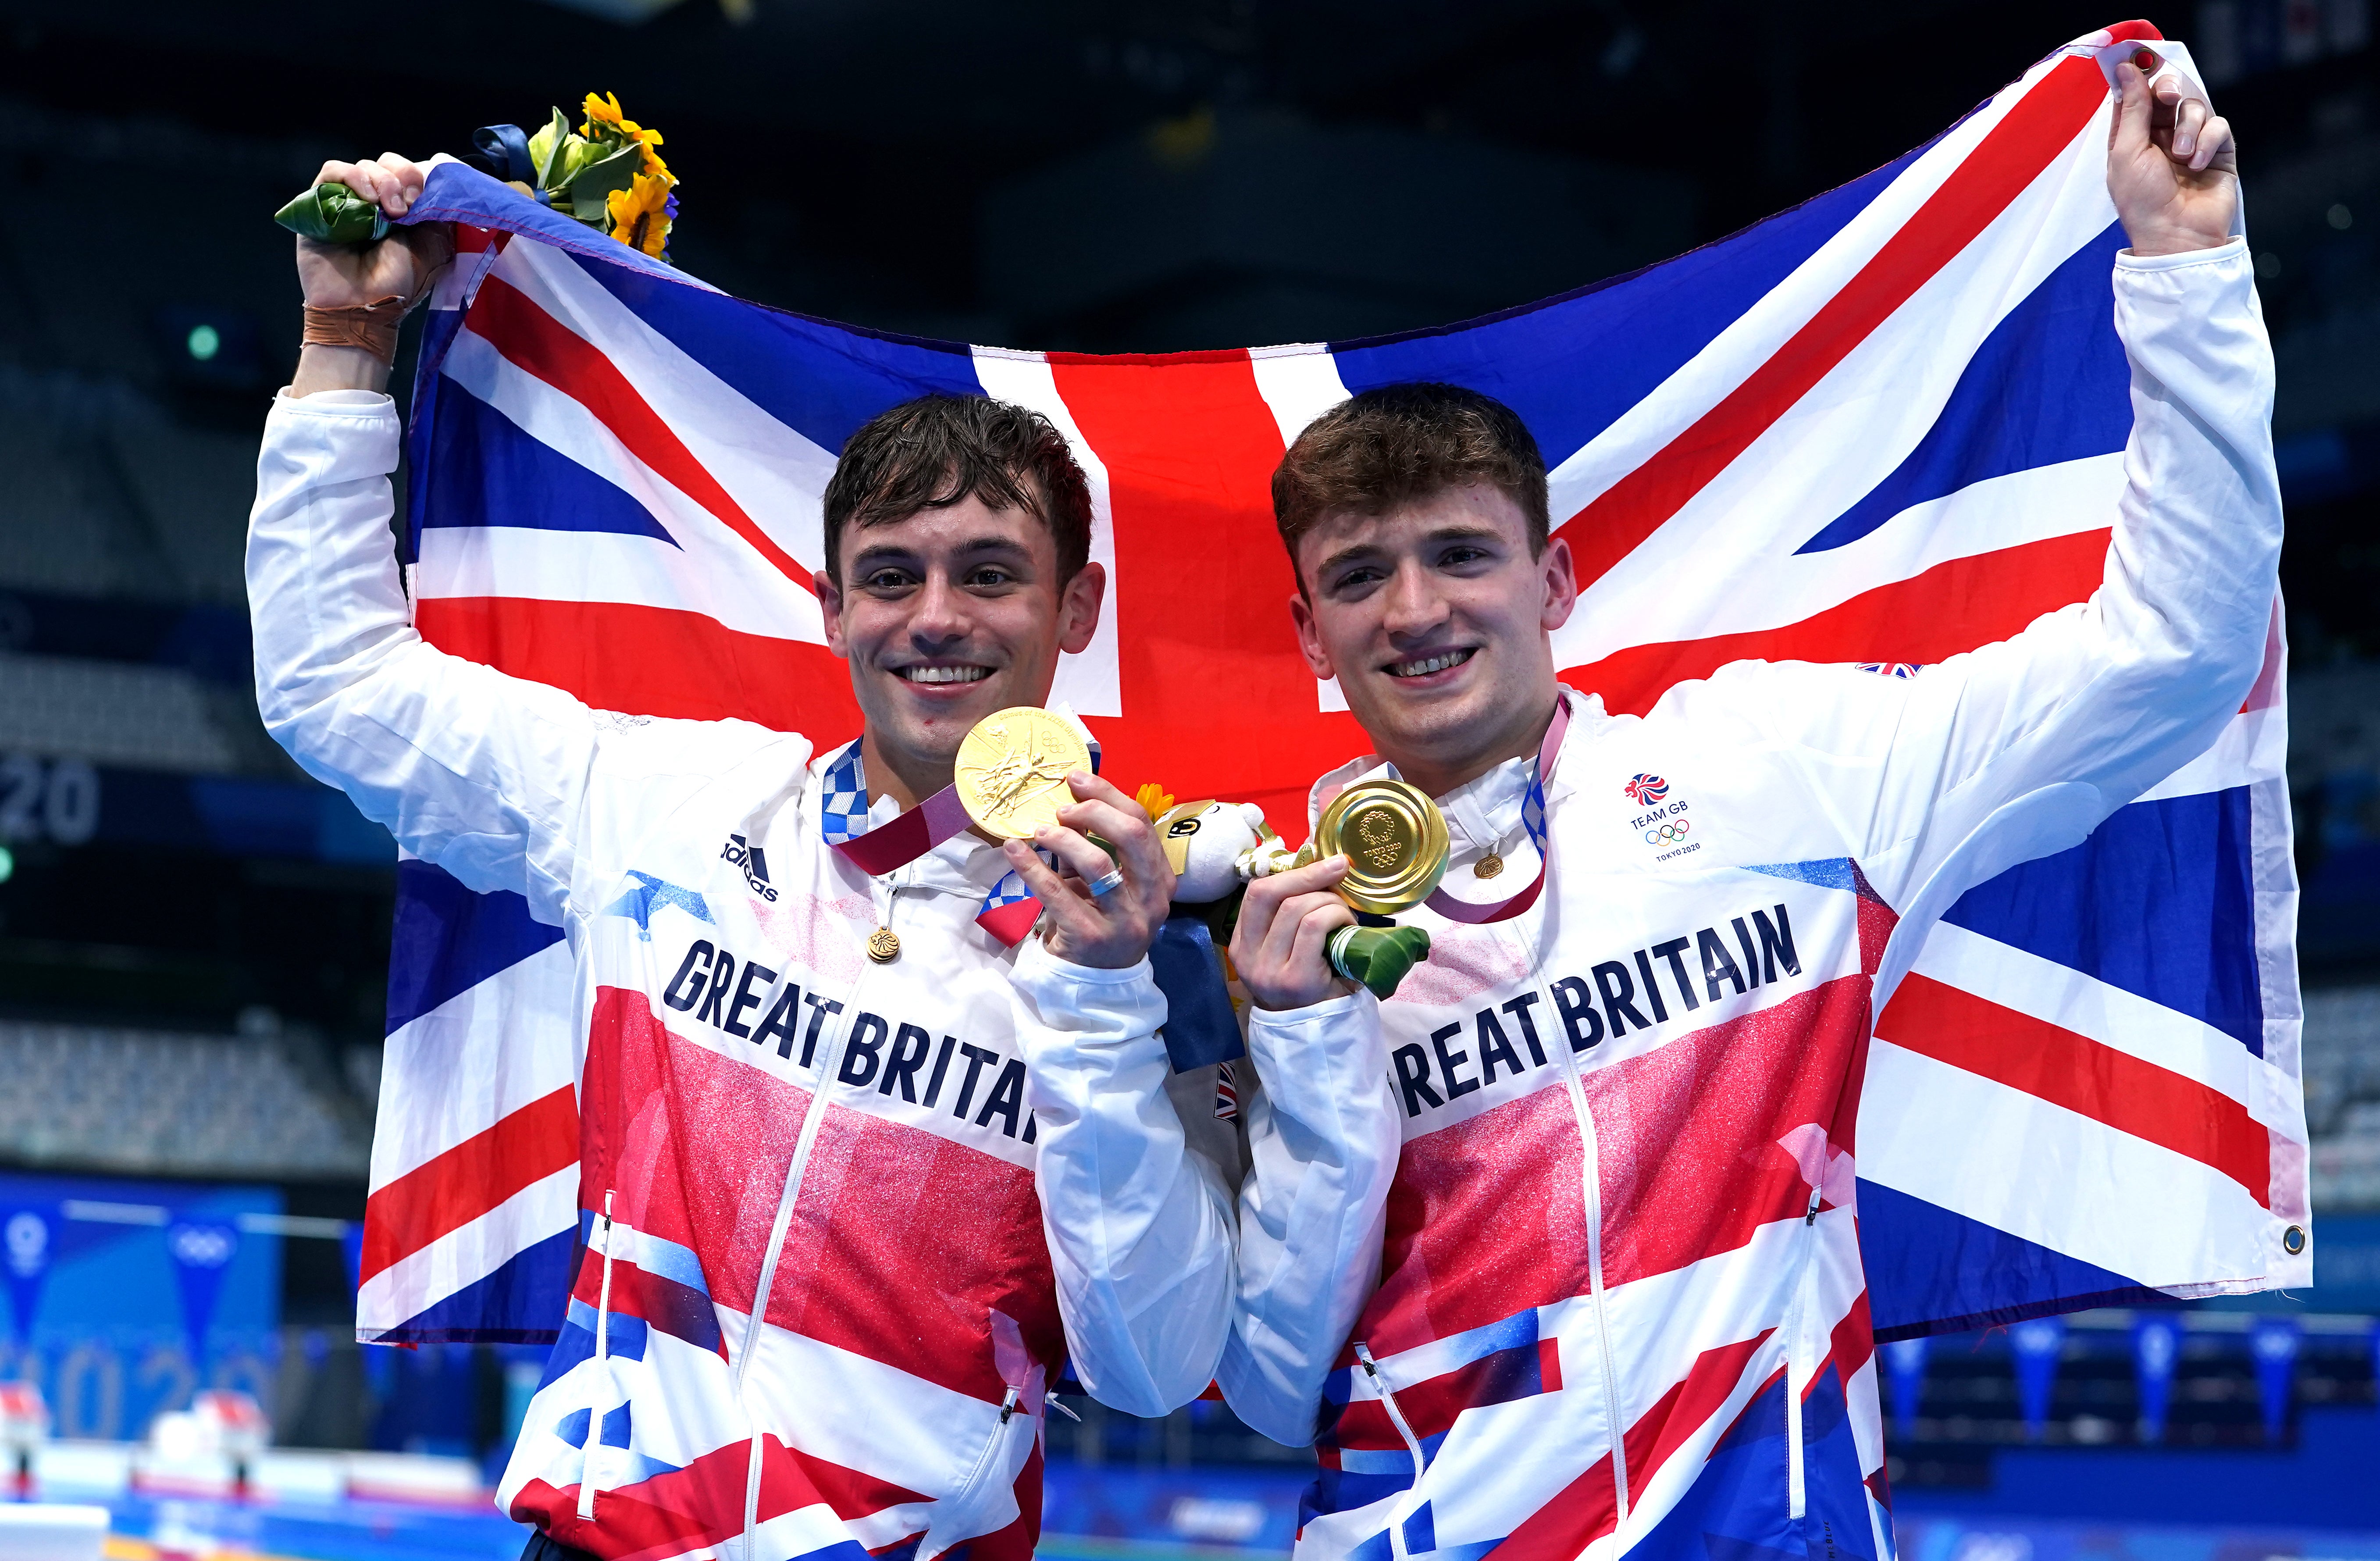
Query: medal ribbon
[[1475, 913], [901, 840], [1009, 912]]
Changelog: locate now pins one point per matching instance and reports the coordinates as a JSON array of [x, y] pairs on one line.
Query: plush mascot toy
[[1216, 848]]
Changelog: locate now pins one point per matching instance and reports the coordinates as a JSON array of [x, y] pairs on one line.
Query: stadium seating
[[111, 712], [2342, 1080], [147, 1102]]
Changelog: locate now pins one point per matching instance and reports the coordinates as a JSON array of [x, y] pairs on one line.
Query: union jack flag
[[1227, 1093], [1896, 413]]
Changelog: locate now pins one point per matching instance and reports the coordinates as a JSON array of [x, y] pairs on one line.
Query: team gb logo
[[1645, 790]]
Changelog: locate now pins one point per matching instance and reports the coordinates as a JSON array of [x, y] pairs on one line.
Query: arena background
[[193, 936]]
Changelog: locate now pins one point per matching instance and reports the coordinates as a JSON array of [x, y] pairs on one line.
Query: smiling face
[[1437, 623], [946, 616]]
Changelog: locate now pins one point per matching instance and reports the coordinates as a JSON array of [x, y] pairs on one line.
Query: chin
[[1420, 723]]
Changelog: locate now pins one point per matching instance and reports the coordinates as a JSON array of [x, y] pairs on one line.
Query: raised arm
[[2019, 748], [486, 776]]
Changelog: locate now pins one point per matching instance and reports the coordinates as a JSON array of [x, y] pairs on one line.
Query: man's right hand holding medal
[[1108, 915], [1280, 946], [356, 294]]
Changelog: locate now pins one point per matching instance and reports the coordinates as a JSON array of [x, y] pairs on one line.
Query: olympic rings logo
[[1669, 833]]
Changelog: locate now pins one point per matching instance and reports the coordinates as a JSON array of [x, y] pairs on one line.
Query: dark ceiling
[[838, 157]]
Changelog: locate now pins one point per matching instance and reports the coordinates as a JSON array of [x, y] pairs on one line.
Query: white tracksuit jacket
[[947, 1175], [1621, 1302]]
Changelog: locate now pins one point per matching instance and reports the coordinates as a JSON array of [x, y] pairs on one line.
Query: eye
[[887, 580], [1358, 576], [989, 576], [1457, 556]]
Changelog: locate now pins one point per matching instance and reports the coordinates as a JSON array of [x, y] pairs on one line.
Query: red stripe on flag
[[1688, 1407], [1853, 1341], [534, 342], [1950, 609], [1202, 585], [1587, 1509], [2267, 689], [2012, 155], [2056, 1064], [649, 661], [700, 1505], [448, 1191]]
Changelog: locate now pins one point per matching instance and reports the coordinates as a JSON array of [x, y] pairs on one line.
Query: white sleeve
[[1139, 1224], [487, 777], [2021, 748], [1323, 1140]]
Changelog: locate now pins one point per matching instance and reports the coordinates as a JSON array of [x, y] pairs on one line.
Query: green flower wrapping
[[333, 214], [1377, 958]]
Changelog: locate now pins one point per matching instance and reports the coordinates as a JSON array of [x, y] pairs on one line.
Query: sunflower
[[606, 111], [604, 108], [1154, 797], [641, 215]]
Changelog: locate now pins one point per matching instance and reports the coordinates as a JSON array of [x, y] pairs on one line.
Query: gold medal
[[1395, 840], [883, 946], [1011, 770], [1488, 866]]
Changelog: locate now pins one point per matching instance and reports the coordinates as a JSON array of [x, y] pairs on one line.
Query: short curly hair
[[1399, 443], [939, 450]]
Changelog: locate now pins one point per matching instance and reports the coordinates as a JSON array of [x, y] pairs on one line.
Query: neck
[[1440, 774], [907, 778]]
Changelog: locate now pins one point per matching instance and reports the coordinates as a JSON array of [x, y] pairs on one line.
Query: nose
[[939, 614], [1413, 608]]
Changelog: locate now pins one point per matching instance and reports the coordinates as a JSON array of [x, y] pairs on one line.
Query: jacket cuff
[[1036, 964], [325, 403], [331, 436], [1091, 996], [2231, 249], [1288, 1021]]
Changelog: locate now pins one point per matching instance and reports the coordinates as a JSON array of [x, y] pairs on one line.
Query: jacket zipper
[[961, 1499], [1796, 1487], [1008, 1402], [588, 1479], [1404, 1429], [1591, 1191], [829, 1064]]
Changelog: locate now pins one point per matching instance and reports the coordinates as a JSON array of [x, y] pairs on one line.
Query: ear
[[1310, 636], [830, 597], [1562, 585], [1078, 608]]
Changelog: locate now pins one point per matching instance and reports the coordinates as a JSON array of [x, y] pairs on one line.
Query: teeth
[[1427, 665], [946, 674]]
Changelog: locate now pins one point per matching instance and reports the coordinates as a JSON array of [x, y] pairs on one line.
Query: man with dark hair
[[1618, 1298], [856, 1179], [937, 450]]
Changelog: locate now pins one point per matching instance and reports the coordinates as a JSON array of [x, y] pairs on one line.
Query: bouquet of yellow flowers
[[608, 174]]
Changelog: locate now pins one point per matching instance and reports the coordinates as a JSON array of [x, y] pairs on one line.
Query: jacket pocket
[[590, 1471], [976, 1491], [1380, 1381], [1797, 1358]]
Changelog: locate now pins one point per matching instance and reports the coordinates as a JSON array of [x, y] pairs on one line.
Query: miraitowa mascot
[[1216, 848]]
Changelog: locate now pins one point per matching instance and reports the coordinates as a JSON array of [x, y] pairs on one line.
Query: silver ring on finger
[[1105, 882]]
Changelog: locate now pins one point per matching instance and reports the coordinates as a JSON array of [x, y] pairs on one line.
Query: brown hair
[[1388, 446], [939, 450]]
